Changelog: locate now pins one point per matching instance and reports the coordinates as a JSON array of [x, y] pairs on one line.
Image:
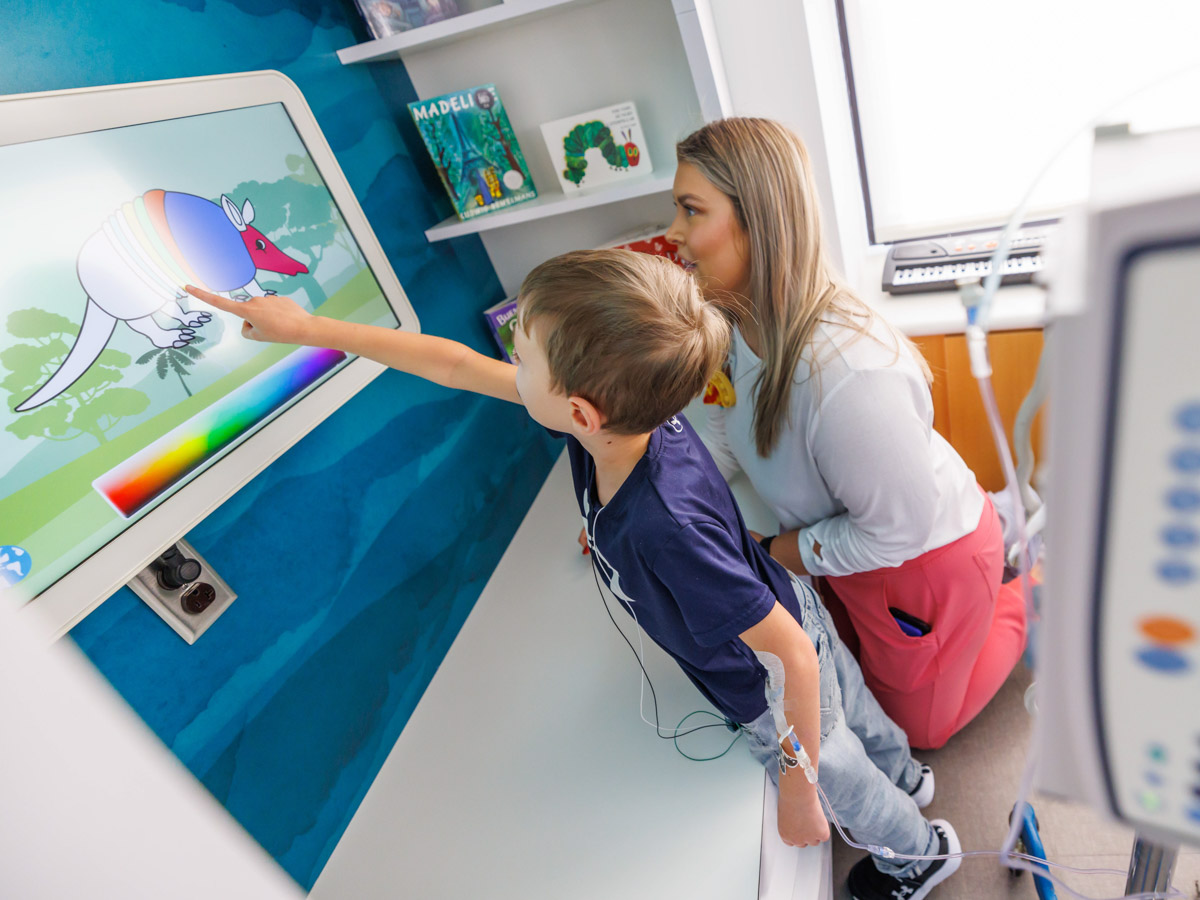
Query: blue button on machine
[[1186, 459], [1188, 417], [1180, 536], [1184, 499], [1164, 660], [1153, 778], [1175, 572], [1157, 752], [1194, 813]]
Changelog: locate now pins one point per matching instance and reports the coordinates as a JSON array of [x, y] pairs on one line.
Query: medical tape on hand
[[787, 733]]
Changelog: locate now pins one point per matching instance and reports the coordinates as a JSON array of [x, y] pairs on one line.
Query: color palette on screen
[[146, 475]]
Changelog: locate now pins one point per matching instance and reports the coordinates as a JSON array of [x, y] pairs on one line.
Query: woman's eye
[[260, 244]]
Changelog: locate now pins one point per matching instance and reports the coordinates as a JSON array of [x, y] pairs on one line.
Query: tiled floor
[[978, 773]]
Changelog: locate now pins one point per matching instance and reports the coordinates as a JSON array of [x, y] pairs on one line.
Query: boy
[[610, 345]]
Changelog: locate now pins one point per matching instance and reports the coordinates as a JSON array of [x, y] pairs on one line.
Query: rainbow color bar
[[155, 469]]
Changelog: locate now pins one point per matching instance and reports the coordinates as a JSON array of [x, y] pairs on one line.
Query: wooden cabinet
[[958, 409]]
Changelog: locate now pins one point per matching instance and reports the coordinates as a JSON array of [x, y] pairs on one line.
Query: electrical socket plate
[[169, 604]]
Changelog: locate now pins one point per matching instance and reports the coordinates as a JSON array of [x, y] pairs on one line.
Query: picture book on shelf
[[650, 239], [474, 149], [501, 319], [388, 17], [597, 147]]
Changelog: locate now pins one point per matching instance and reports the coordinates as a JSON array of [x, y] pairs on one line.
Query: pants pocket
[[897, 660], [830, 693]]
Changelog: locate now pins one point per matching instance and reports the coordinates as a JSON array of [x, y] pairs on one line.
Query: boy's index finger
[[213, 299]]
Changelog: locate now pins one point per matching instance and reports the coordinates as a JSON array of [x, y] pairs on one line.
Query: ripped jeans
[[865, 767]]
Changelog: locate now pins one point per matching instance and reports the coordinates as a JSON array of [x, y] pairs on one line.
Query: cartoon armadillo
[[139, 261]]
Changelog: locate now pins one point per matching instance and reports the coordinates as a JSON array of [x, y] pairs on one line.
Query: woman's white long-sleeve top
[[858, 469]]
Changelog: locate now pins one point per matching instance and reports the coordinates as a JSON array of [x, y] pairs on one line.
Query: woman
[[831, 419]]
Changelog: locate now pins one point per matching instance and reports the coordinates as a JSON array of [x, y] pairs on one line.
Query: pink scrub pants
[[933, 685]]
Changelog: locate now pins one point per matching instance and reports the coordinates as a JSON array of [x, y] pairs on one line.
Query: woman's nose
[[674, 232]]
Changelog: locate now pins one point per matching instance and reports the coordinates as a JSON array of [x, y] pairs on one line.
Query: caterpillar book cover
[[597, 147]]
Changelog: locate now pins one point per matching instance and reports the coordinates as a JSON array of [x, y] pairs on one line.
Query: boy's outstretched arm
[[282, 320], [802, 821]]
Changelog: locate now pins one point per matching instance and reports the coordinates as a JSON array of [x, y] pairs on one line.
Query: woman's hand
[[583, 541], [785, 551], [276, 319], [801, 820]]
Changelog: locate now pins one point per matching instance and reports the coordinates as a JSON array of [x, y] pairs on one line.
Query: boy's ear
[[584, 416]]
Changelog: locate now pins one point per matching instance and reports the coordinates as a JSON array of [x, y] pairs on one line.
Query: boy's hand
[[277, 319], [801, 820]]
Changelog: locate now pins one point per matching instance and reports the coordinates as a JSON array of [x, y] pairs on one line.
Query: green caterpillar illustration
[[596, 134]]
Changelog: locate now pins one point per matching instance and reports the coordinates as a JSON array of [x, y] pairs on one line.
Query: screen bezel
[[39, 116]]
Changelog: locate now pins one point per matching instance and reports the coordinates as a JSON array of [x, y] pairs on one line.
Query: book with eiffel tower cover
[[474, 150]]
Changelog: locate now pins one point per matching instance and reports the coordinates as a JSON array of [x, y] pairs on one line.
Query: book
[[474, 149], [650, 239], [501, 319], [597, 147], [388, 17]]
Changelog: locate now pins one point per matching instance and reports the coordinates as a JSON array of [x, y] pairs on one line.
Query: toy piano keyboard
[[936, 264]]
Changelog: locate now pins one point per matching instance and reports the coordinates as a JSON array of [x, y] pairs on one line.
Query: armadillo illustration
[[137, 263]]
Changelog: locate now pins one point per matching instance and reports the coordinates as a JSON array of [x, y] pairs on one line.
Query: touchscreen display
[[117, 388]]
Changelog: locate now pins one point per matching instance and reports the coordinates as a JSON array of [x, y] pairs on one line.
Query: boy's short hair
[[629, 332]]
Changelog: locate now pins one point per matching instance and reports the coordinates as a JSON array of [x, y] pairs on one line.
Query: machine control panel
[[1147, 625]]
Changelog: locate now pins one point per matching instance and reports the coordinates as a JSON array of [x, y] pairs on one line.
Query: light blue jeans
[[865, 766]]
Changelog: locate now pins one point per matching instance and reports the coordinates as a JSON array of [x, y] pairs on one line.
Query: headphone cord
[[674, 737]]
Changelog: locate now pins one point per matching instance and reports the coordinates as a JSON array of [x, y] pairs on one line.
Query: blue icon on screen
[[15, 564]]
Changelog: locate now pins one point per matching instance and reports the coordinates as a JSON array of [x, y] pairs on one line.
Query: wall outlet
[[190, 608]]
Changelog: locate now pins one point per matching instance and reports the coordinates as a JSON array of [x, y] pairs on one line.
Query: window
[[958, 105]]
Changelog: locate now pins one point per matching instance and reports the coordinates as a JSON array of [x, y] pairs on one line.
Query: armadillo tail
[[93, 337]]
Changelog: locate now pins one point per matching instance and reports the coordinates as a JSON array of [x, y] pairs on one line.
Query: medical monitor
[[130, 410], [1118, 651]]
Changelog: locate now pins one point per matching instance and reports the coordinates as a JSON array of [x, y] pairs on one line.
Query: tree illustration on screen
[[298, 214], [92, 405], [174, 359]]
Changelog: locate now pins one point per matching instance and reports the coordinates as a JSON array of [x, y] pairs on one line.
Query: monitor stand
[[184, 590]]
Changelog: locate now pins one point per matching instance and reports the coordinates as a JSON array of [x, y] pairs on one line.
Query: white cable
[[657, 726], [1000, 255]]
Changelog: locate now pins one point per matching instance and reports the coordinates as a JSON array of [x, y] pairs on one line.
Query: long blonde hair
[[763, 168]]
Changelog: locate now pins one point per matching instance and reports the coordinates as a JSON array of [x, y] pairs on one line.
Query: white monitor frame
[[38, 116]]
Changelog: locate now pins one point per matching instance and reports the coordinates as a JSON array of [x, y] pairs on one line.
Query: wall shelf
[[469, 24], [552, 204], [550, 59]]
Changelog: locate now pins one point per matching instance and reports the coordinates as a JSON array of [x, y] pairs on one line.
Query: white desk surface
[[525, 770]]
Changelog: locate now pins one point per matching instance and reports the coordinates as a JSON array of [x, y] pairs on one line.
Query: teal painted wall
[[358, 554]]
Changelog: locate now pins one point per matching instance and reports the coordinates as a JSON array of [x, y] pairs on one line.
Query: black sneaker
[[867, 883]]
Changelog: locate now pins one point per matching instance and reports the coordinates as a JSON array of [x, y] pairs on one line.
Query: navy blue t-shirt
[[672, 547]]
